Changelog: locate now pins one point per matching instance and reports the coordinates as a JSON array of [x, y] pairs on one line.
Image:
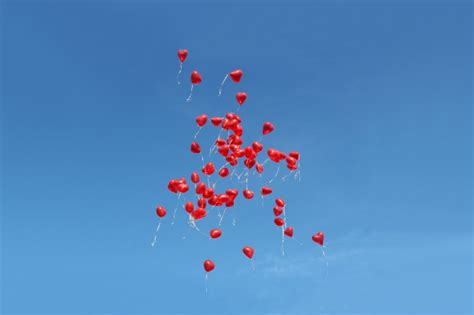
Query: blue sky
[[376, 97]]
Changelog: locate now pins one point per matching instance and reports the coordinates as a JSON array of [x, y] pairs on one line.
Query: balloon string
[[176, 208], [179, 72], [234, 220], [202, 159], [197, 133], [190, 94], [286, 176], [156, 234], [283, 240], [205, 282], [222, 84], [222, 216], [251, 262], [276, 174]]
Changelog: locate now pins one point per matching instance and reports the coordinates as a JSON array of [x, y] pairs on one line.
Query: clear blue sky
[[376, 97]]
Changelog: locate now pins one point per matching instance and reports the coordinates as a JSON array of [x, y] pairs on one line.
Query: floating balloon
[[248, 251], [224, 172], [277, 211], [266, 191], [279, 202], [236, 75], [209, 265], [267, 128], [241, 97], [182, 54], [195, 148], [248, 194], [160, 211], [318, 238], [289, 231], [201, 120], [259, 168], [216, 121], [195, 79], [199, 214], [257, 146], [195, 177], [215, 233], [189, 207], [279, 221]]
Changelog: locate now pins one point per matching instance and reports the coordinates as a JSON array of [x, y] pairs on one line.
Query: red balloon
[[318, 238], [277, 211], [209, 265], [183, 188], [279, 202], [160, 211], [216, 121], [200, 188], [232, 193], [289, 231], [189, 207], [220, 142], [208, 193], [267, 128], [274, 155], [257, 146], [232, 159], [292, 167], [250, 153], [196, 77], [259, 168], [199, 214], [279, 221], [224, 198], [215, 233], [209, 169], [238, 130], [195, 177], [241, 97], [173, 186], [248, 251], [224, 172], [224, 150], [182, 54], [202, 202], [290, 160], [201, 120], [248, 194], [266, 191], [249, 163], [195, 148], [236, 75], [295, 155], [214, 201]]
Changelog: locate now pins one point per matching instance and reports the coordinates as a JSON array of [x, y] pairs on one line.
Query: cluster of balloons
[[233, 152]]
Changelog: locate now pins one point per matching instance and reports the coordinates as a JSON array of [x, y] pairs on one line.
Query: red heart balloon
[[290, 160], [195, 177], [199, 214], [248, 251], [318, 238], [289, 232], [279, 202], [209, 265], [200, 188], [196, 77], [279, 221], [224, 198], [236, 75], [182, 188], [267, 128], [209, 169], [173, 186], [216, 121], [274, 155], [202, 202], [215, 233], [232, 193], [259, 168], [208, 193], [201, 120], [224, 172], [248, 194], [295, 155], [182, 54], [277, 211], [241, 97], [249, 163], [195, 148], [189, 207], [160, 211], [257, 146], [224, 150], [266, 191]]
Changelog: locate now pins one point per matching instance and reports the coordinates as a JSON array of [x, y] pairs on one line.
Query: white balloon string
[[197, 133], [205, 282], [179, 72], [190, 94], [276, 174], [251, 262], [222, 216], [156, 234], [222, 84], [176, 208]]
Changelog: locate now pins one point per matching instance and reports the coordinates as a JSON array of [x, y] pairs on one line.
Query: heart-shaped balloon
[[224, 172], [259, 168], [183, 188], [189, 207], [236, 75], [290, 160], [216, 121], [209, 265], [295, 155], [202, 202], [223, 198], [199, 214], [274, 155], [208, 193], [196, 77], [279, 221], [195, 177], [160, 211], [289, 231], [201, 120], [209, 169], [248, 194], [224, 150], [280, 202], [200, 188], [266, 191], [232, 193], [257, 146], [249, 163], [173, 186], [318, 238], [241, 97], [267, 128], [182, 54], [215, 233], [248, 251], [277, 211], [195, 148]]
